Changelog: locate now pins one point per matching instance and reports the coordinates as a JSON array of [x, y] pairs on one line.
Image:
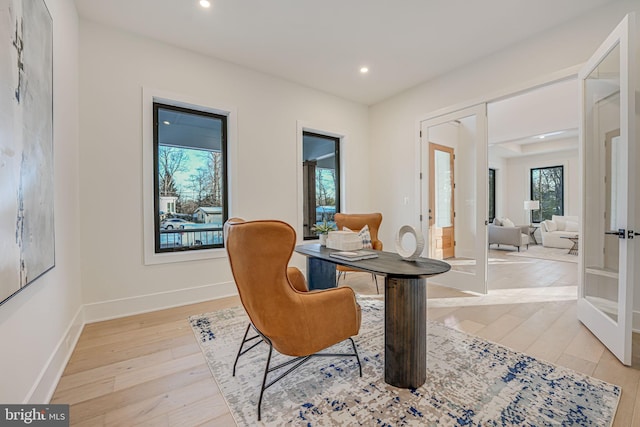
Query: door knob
[[621, 233]]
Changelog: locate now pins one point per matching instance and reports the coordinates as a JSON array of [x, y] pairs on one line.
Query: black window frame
[[336, 141], [492, 190], [156, 178], [536, 216]]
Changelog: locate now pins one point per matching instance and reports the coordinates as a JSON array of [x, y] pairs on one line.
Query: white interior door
[[465, 133], [608, 157]]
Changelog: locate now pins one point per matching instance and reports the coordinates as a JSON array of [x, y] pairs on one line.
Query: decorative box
[[344, 240]]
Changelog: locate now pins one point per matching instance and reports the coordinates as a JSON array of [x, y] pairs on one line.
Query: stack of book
[[354, 255]]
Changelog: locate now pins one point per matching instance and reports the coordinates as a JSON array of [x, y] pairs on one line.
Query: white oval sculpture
[[410, 254]]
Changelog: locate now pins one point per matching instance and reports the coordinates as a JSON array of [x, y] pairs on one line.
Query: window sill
[[183, 256]]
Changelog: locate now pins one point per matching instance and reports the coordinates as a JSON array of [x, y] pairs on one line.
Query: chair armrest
[[297, 280], [332, 315], [505, 235], [377, 245]]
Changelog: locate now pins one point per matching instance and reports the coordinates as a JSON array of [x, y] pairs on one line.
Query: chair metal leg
[[340, 274], [375, 278], [264, 380], [244, 341], [296, 362], [355, 351]]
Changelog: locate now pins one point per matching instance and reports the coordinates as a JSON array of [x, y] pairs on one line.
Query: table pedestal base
[[321, 274], [405, 335]]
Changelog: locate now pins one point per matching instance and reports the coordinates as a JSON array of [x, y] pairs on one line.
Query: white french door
[[464, 133], [608, 151]]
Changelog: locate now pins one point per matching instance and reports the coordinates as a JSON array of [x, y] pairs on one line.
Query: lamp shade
[[531, 205]]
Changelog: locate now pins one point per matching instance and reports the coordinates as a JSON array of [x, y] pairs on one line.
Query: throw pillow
[[365, 235], [551, 225], [508, 223], [571, 226], [496, 221]]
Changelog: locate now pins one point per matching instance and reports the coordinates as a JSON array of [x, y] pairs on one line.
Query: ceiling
[[539, 121], [323, 44]]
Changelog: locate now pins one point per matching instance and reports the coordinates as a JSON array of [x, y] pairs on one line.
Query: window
[[321, 180], [547, 186], [492, 194], [190, 179]]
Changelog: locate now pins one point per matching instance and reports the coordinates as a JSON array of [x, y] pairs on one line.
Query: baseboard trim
[[46, 383], [113, 309]]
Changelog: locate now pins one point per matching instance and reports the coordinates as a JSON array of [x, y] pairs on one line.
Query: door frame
[[568, 73], [464, 281]]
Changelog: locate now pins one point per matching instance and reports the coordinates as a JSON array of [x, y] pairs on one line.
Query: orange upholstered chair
[[355, 222], [293, 322]]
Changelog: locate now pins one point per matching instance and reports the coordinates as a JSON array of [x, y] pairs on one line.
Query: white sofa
[[555, 230]]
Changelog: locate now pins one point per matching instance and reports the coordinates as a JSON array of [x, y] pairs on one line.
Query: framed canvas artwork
[[27, 240]]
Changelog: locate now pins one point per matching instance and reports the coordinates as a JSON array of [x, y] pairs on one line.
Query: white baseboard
[[114, 309], [47, 381]]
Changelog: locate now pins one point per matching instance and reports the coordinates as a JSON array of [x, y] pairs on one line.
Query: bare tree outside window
[[191, 178], [547, 186]]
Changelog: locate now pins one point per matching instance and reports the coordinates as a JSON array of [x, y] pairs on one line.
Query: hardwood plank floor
[[148, 369]]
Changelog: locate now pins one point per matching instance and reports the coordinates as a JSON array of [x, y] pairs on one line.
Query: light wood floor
[[148, 369]]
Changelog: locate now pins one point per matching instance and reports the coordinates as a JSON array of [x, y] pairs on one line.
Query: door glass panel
[[605, 209], [453, 229], [444, 188]]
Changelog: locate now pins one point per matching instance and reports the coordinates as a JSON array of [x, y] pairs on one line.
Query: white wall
[[115, 66], [518, 182], [35, 324], [393, 127]]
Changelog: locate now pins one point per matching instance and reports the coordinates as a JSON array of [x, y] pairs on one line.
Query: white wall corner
[[117, 308], [47, 381]]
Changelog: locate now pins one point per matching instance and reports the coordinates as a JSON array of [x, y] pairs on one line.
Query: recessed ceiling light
[[544, 135], [166, 122], [205, 3], [364, 70]]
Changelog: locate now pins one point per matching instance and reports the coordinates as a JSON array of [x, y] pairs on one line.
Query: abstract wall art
[[27, 240]]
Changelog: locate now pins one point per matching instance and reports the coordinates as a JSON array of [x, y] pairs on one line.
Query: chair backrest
[[355, 222], [259, 252]]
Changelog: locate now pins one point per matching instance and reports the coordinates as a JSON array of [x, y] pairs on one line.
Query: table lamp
[[531, 205]]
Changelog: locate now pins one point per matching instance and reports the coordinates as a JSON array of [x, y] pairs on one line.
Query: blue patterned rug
[[470, 382]]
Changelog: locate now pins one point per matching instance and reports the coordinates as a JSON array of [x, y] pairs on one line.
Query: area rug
[[540, 252], [470, 382]]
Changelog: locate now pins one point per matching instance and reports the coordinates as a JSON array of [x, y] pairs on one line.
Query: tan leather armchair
[[355, 222], [290, 320]]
